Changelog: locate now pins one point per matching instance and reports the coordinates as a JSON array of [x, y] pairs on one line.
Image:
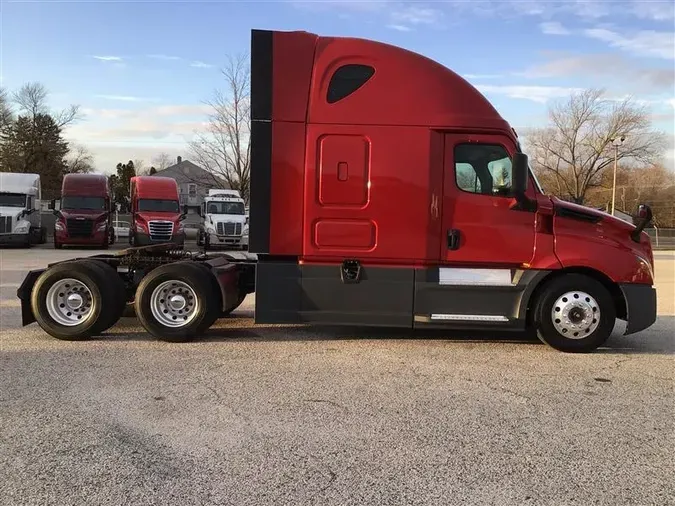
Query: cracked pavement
[[283, 415]]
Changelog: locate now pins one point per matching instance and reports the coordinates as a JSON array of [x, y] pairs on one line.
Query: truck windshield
[[158, 205], [225, 208], [88, 203], [12, 199]]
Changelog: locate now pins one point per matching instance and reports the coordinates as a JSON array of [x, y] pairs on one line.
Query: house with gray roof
[[193, 182]]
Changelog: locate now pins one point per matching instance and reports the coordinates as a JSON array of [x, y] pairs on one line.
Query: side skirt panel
[[468, 298], [287, 292]]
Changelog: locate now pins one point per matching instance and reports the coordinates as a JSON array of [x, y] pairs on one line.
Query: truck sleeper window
[[225, 208], [158, 205], [12, 200], [346, 80], [483, 168], [89, 203]]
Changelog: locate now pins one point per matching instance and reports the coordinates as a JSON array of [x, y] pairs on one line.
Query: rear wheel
[[176, 302], [68, 300], [116, 293], [574, 313]]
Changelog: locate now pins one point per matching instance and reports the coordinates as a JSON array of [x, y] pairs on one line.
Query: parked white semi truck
[[224, 220], [20, 217]]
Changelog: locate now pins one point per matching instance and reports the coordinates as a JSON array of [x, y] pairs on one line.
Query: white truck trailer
[[20, 217], [224, 220]]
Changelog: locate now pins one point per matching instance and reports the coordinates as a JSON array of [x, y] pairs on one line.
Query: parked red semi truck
[[375, 200], [85, 217], [156, 217]]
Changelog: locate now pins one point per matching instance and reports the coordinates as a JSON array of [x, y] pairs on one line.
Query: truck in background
[[85, 215], [155, 212], [20, 205], [224, 220], [371, 210]]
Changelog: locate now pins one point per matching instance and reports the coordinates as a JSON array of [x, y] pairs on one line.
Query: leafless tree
[[79, 160], [6, 113], [141, 169], [571, 154], [224, 148], [32, 100], [162, 161]]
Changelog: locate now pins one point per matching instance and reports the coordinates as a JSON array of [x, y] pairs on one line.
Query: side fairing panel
[[367, 193], [281, 68]]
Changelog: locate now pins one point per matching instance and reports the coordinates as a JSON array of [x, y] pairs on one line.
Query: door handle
[[453, 239]]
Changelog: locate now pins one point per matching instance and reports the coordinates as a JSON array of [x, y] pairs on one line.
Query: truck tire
[[68, 300], [118, 294], [175, 302], [217, 302], [574, 313]]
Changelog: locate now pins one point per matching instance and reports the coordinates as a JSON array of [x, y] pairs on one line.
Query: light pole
[[616, 142]]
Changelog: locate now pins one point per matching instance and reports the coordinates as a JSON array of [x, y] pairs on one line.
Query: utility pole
[[616, 142]]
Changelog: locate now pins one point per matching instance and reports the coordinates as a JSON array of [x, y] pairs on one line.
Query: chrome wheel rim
[[174, 304], [575, 315], [69, 302]]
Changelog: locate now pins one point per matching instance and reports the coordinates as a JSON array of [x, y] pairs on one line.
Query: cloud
[[539, 94], [553, 28], [655, 11], [201, 65], [400, 28], [115, 135], [163, 111], [602, 69], [396, 14], [126, 98], [414, 15], [643, 43], [482, 76], [108, 58], [163, 57]]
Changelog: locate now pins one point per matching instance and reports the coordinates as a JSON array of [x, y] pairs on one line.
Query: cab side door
[[482, 222]]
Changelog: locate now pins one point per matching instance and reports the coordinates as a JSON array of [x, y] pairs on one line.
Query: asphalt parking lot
[[282, 415]]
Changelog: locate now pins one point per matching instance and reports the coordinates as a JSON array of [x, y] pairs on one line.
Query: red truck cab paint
[[84, 217], [387, 190], [155, 211]]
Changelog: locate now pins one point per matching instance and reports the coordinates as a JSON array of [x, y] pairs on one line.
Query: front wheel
[[574, 313]]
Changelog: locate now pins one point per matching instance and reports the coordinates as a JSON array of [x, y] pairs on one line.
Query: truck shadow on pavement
[[658, 339]]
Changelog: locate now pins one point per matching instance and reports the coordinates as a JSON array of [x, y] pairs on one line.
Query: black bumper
[[640, 306], [145, 240]]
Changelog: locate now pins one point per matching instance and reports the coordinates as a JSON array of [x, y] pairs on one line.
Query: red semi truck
[[85, 217], [376, 200], [156, 217]]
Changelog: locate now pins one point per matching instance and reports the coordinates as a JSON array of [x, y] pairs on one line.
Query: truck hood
[[227, 218], [585, 213], [10, 211], [82, 213], [150, 216]]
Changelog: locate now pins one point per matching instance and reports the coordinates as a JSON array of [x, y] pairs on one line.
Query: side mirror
[[520, 168], [644, 218], [56, 212]]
